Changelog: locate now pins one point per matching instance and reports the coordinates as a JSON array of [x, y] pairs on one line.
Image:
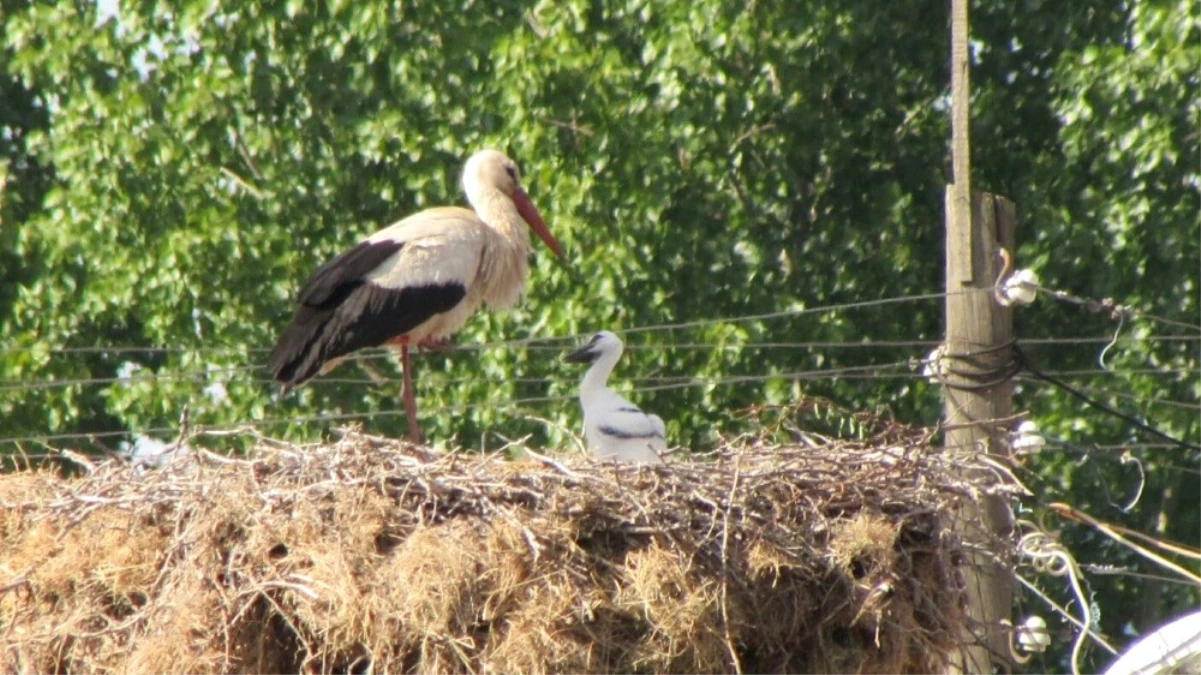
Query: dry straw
[[371, 555]]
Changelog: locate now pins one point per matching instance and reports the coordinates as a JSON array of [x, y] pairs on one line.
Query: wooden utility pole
[[979, 390]]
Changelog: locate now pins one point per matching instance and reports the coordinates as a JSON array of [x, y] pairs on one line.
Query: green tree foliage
[[23, 181], [172, 176], [220, 157], [1121, 218]]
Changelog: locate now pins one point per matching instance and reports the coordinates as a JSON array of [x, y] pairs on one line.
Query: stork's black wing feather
[[365, 316], [328, 285], [340, 312]]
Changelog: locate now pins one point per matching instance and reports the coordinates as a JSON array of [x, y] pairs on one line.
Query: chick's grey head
[[601, 344]]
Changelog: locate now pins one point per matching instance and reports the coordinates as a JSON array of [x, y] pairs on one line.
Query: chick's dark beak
[[581, 355]]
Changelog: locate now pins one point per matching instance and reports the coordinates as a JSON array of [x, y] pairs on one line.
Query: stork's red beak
[[530, 214]]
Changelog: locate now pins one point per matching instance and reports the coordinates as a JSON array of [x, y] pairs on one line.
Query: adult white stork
[[418, 281], [613, 427]]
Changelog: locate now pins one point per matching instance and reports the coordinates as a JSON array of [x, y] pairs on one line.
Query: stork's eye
[[512, 171]]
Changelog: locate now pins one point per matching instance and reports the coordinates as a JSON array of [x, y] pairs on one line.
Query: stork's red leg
[[409, 399]]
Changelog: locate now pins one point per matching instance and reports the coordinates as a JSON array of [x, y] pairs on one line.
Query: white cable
[[1050, 557]]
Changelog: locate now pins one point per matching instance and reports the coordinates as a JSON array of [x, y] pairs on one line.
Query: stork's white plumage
[[613, 427], [418, 281]]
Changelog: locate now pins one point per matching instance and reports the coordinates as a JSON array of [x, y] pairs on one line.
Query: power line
[[127, 349], [1092, 448], [216, 376], [199, 377], [1025, 363], [800, 311], [797, 311], [543, 342], [212, 371], [211, 375], [695, 382], [862, 371], [796, 376], [1109, 305], [1128, 371], [1187, 405], [866, 343], [291, 419], [868, 372]]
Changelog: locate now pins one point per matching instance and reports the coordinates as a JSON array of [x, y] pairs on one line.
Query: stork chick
[[613, 427]]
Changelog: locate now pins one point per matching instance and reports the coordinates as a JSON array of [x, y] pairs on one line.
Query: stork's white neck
[[498, 210], [595, 380], [503, 271]]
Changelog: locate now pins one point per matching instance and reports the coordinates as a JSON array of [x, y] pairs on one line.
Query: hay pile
[[370, 555]]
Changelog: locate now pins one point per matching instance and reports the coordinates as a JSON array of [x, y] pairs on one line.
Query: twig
[[553, 464], [709, 508], [254, 192], [1066, 511], [75, 458], [725, 571], [571, 126]]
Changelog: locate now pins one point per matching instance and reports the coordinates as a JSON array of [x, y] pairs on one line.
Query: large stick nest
[[369, 554]]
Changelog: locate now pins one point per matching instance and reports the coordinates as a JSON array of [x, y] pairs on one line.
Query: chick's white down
[[615, 428]]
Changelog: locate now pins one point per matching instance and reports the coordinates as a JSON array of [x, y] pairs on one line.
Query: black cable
[[982, 379], [1020, 356], [999, 377], [969, 356]]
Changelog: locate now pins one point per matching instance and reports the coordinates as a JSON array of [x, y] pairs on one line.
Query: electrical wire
[[799, 311], [702, 346], [1063, 386], [1114, 308], [214, 376], [290, 419]]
